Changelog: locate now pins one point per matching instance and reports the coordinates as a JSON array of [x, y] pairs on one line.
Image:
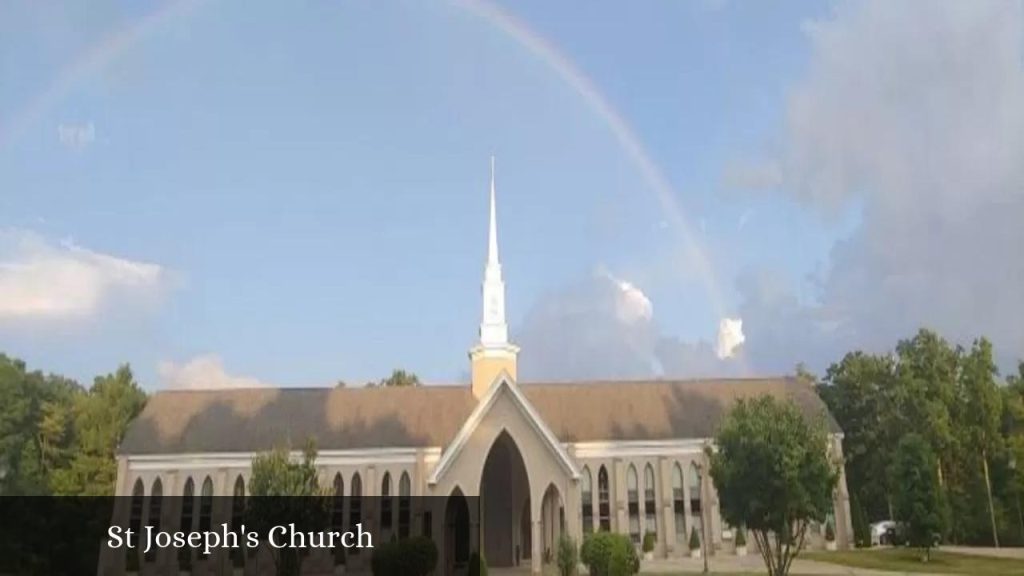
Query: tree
[[859, 391], [276, 480], [36, 429], [568, 555], [919, 503], [983, 412], [101, 418], [397, 378], [773, 475]]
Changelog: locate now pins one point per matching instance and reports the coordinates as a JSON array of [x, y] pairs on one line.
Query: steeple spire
[[493, 356], [493, 329], [492, 245]]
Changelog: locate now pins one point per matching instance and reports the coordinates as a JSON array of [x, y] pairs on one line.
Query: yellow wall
[[485, 370]]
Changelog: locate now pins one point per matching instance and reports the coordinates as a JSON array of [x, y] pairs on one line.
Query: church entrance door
[[505, 493]]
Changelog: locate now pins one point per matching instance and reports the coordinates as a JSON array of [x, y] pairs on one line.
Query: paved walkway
[[754, 564]]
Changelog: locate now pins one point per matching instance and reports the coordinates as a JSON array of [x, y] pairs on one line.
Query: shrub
[[409, 557], [694, 539], [830, 532], [607, 554], [477, 565], [741, 537], [568, 556], [649, 540]]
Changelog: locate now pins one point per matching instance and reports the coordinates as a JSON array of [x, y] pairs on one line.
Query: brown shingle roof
[[257, 419]]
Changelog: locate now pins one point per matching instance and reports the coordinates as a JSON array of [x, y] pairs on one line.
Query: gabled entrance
[[505, 499], [506, 455]]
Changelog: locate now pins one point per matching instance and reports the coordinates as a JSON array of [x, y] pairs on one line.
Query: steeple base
[[487, 363]]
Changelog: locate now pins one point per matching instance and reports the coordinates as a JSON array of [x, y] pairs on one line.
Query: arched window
[[604, 511], [678, 503], [188, 504], [696, 489], [138, 503], [156, 500], [587, 495], [355, 507], [385, 502], [650, 513], [237, 516], [633, 501], [206, 506], [338, 516], [404, 505]]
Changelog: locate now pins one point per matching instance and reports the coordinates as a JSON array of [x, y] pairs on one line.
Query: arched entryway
[[456, 533], [552, 519], [505, 493]]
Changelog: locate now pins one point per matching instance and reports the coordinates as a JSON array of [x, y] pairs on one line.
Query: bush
[[694, 539], [607, 554], [477, 565], [568, 556], [649, 540], [409, 557], [741, 537], [830, 532]]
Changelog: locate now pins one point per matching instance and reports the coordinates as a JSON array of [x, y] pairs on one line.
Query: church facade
[[543, 458]]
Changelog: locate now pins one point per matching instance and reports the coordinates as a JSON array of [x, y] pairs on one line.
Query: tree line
[[936, 402], [59, 437]]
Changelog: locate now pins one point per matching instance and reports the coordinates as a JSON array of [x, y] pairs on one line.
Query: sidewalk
[[753, 564]]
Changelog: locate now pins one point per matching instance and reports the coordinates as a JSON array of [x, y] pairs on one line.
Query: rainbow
[[121, 39]]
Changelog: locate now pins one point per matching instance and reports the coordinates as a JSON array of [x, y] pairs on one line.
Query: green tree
[[568, 555], [859, 391], [397, 378], [919, 503], [982, 412], [773, 475], [101, 417], [36, 431], [276, 480]]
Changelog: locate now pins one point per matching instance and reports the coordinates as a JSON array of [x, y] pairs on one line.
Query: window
[[603, 507], [650, 512], [633, 498], [338, 516], [678, 503], [355, 506], [237, 516], [404, 505], [586, 489], [188, 503], [156, 499], [138, 503], [206, 506], [696, 486], [385, 502]]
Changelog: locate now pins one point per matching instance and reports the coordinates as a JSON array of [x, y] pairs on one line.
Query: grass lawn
[[909, 560]]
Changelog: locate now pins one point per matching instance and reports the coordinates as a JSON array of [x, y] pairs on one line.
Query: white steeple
[[493, 328]]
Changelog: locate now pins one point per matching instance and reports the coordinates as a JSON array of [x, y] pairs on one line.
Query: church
[[543, 458]]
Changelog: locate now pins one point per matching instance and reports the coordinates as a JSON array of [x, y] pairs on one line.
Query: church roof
[[256, 419]]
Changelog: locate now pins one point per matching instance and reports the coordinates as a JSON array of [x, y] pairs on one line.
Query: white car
[[880, 532]]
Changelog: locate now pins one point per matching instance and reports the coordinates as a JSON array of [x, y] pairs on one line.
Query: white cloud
[[631, 304], [730, 337], [43, 280], [202, 373], [76, 135], [916, 117], [603, 327]]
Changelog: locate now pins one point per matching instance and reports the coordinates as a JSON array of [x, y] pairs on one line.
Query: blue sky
[[302, 188]]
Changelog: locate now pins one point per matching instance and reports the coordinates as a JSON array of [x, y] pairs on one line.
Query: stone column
[[536, 546], [618, 497], [667, 533]]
